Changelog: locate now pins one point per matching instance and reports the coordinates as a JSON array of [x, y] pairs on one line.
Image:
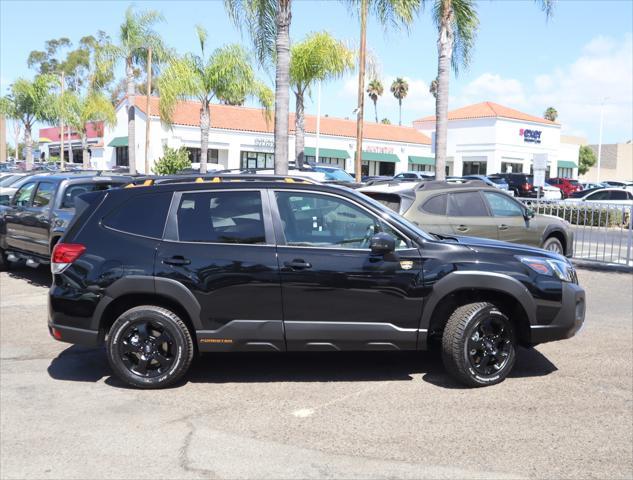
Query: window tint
[[620, 195], [73, 191], [23, 195], [503, 206], [435, 205], [43, 194], [314, 220], [221, 217], [141, 215], [603, 195], [466, 204]]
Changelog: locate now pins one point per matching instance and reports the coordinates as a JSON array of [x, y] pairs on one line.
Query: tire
[[553, 245], [139, 357], [470, 336]]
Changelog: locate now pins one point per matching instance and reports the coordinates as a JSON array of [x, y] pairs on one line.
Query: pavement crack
[[183, 455]]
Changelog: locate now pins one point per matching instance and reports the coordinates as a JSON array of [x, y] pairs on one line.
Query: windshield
[[8, 180], [335, 174]]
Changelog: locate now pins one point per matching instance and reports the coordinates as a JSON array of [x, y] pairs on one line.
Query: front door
[[218, 246], [36, 219], [16, 234], [512, 226], [336, 294]]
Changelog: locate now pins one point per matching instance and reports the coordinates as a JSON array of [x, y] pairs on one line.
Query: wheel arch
[[557, 233]]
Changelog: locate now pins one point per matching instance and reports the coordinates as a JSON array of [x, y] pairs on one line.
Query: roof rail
[[438, 184], [221, 178]]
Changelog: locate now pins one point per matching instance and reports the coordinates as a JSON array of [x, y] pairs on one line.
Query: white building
[[242, 137], [488, 138]]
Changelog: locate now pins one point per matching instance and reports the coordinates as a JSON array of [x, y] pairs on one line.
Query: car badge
[[406, 264]]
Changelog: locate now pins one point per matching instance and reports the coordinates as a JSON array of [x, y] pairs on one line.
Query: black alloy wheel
[[489, 346], [147, 349]]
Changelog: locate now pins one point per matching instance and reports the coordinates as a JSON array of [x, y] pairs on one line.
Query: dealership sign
[[530, 136]]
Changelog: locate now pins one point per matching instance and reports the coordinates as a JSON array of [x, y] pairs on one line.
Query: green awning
[[421, 160], [326, 152], [567, 164], [380, 157], [118, 142]]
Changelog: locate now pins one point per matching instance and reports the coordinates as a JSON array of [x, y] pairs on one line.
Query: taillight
[[64, 254], [527, 187]]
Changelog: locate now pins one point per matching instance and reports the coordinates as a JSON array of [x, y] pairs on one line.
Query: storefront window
[[122, 159], [474, 168], [335, 162], [194, 155], [257, 160], [511, 167], [416, 167], [566, 172]]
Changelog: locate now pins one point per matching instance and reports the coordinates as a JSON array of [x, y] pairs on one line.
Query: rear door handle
[[298, 264], [176, 260], [462, 228], [503, 226]]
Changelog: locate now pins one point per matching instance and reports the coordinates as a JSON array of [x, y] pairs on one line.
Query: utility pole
[[600, 139], [361, 89], [61, 126], [147, 106], [3, 140], [318, 124]]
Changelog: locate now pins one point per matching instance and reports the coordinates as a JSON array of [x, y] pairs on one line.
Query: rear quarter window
[[389, 200], [435, 205], [143, 215]]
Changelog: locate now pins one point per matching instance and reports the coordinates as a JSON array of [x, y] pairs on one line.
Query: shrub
[[587, 215], [173, 161]]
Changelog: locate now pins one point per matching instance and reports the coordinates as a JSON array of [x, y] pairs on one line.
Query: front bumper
[[567, 322]]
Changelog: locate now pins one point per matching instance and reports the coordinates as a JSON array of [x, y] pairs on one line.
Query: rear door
[[468, 215]]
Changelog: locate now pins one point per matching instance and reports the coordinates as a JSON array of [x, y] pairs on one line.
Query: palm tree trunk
[[282, 86], [61, 130], [400, 112], [205, 122], [28, 146], [71, 158], [361, 89], [149, 93], [131, 124], [445, 51], [84, 150], [300, 130], [376, 110]]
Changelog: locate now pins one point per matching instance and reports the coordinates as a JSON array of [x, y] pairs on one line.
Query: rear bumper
[[567, 322], [79, 336]]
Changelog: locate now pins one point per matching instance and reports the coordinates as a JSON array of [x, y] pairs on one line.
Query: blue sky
[[573, 61]]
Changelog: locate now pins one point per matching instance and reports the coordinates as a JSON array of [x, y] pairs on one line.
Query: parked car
[[9, 185], [612, 196], [160, 273], [591, 185], [474, 209], [521, 184], [614, 183], [548, 192], [372, 179], [414, 176], [498, 182], [40, 211], [567, 185]]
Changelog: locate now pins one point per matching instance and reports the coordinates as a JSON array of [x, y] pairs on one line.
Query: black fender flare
[[141, 284], [477, 280]]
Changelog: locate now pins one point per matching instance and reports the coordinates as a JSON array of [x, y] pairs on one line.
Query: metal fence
[[603, 232]]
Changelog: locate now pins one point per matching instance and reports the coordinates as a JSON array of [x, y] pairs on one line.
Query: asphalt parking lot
[[566, 411]]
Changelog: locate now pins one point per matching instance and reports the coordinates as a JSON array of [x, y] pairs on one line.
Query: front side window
[[503, 206], [466, 204], [221, 217], [603, 195], [313, 220], [23, 195], [43, 194]]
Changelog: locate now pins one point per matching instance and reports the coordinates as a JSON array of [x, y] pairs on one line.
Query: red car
[[566, 185]]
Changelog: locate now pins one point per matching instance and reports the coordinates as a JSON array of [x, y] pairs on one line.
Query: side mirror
[[382, 243]]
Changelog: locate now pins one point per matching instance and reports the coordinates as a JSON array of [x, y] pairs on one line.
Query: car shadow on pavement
[[82, 364], [39, 277]]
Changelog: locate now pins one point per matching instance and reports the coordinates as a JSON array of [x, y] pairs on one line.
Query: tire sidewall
[[499, 375], [135, 316], [553, 240]]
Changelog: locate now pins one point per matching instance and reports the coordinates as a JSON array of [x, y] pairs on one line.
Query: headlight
[[548, 266]]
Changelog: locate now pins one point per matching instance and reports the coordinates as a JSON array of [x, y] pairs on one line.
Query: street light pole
[[318, 124], [600, 138]]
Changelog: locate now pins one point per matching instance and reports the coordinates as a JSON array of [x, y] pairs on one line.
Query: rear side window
[[466, 204], [435, 205], [620, 195], [221, 217], [389, 200], [141, 215], [73, 191]]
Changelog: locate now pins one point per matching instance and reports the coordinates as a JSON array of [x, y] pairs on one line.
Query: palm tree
[[80, 110], [457, 23], [29, 102], [226, 73], [550, 114], [317, 58], [136, 37], [389, 12], [268, 24], [375, 90], [400, 89]]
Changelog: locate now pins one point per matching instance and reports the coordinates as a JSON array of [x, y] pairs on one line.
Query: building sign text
[[530, 136]]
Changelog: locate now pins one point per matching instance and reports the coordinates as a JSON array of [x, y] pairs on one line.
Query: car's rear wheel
[[553, 245], [149, 347], [479, 345]]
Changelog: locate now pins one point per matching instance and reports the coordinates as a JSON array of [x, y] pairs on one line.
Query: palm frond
[[259, 19]]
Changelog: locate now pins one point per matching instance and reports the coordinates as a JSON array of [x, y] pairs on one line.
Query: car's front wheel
[[149, 347], [479, 345], [553, 245]]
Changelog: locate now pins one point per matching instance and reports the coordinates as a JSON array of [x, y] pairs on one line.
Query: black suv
[[521, 184], [165, 271]]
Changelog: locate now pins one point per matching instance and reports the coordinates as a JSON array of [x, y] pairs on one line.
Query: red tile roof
[[254, 120], [488, 110]]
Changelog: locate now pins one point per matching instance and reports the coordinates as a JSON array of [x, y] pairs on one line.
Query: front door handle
[[503, 226], [298, 264], [462, 228], [176, 260]]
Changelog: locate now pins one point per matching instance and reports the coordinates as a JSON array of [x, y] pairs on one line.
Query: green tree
[[457, 23], [268, 24], [375, 90], [29, 102], [319, 57], [226, 73], [385, 121], [395, 13], [550, 114], [173, 161], [400, 89], [586, 159], [80, 110]]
